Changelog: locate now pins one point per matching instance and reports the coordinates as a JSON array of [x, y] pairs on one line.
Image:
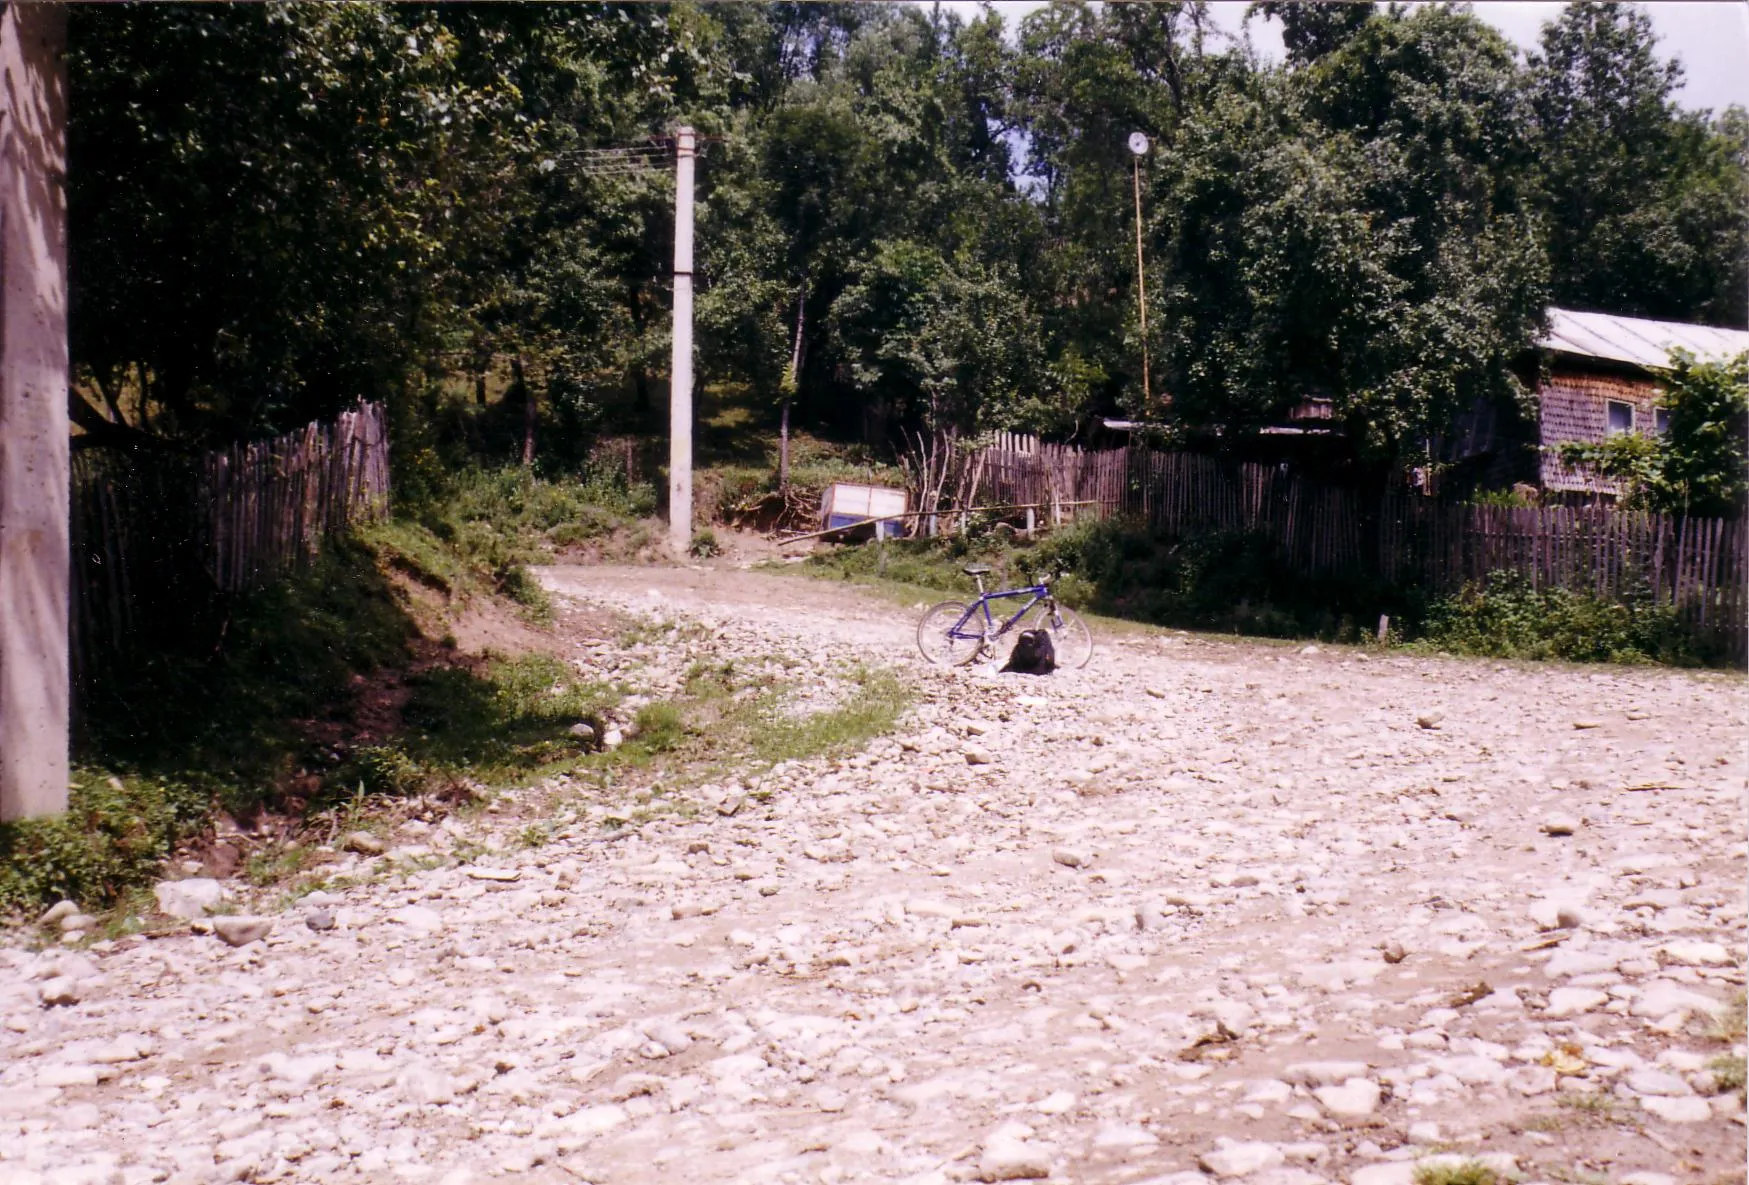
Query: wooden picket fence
[[268, 504], [1700, 566], [134, 543], [157, 536]]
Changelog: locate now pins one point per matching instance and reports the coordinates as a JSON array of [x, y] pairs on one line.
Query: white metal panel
[[1637, 340], [862, 501]]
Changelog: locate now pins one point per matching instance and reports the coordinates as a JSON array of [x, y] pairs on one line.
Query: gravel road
[[1204, 910]]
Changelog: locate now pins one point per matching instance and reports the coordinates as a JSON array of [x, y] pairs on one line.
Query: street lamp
[[1139, 149]]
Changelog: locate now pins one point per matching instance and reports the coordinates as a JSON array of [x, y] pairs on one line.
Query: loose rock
[[192, 898], [241, 930], [1240, 1159], [362, 842], [62, 991]]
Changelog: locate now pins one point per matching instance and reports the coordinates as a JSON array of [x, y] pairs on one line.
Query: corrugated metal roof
[[1636, 340]]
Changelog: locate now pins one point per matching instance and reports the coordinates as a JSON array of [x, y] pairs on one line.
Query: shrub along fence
[[157, 536], [1398, 537]]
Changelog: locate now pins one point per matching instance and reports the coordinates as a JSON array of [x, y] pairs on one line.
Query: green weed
[[1468, 1172], [1728, 1023], [1595, 1106], [1728, 1071], [661, 727]]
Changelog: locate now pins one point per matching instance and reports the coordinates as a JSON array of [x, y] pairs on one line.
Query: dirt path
[[1221, 910]]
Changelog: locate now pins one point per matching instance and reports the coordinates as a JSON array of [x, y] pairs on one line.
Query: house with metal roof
[[1600, 377]]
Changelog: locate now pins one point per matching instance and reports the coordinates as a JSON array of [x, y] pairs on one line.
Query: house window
[[1621, 417], [1661, 420]]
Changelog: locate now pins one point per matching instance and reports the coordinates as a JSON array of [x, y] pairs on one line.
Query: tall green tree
[[262, 202], [1358, 228], [1647, 207]]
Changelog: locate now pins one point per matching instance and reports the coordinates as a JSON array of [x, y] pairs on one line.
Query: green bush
[[111, 840], [1506, 617]]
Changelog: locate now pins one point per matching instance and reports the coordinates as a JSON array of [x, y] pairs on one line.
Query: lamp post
[[1139, 149]]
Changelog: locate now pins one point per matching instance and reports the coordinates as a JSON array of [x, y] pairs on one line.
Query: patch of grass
[[1728, 1023], [502, 723], [661, 727], [1599, 1106], [733, 713], [519, 584], [1467, 1172], [415, 552], [874, 709], [271, 866], [1728, 1071], [488, 525]]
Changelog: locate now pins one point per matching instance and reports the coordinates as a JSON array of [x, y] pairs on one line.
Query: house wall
[[1573, 404]]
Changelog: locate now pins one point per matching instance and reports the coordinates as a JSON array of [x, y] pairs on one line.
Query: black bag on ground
[[1033, 654]]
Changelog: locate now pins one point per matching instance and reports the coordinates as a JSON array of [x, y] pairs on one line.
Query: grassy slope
[[269, 723]]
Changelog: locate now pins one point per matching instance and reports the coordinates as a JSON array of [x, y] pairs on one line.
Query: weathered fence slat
[[156, 534]]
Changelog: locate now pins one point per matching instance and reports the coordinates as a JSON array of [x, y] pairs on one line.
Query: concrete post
[[680, 369], [34, 556]]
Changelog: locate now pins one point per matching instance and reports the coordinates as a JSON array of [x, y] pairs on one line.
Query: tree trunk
[[480, 388], [795, 382], [783, 449], [528, 409]]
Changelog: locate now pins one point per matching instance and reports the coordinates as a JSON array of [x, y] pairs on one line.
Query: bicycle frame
[[1038, 592]]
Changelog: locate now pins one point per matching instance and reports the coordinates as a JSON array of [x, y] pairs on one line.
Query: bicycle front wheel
[[936, 634], [1070, 637]]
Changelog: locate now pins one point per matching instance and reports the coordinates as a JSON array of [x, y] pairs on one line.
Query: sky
[[1710, 37]]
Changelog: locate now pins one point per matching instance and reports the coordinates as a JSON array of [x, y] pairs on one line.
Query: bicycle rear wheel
[[939, 646], [1070, 637]]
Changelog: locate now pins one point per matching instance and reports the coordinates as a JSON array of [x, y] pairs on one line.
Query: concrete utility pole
[[680, 369], [34, 480]]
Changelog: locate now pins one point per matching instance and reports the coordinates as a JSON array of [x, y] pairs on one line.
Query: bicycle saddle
[[976, 570]]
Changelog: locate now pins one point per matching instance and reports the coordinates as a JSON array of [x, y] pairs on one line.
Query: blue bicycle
[[955, 633]]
